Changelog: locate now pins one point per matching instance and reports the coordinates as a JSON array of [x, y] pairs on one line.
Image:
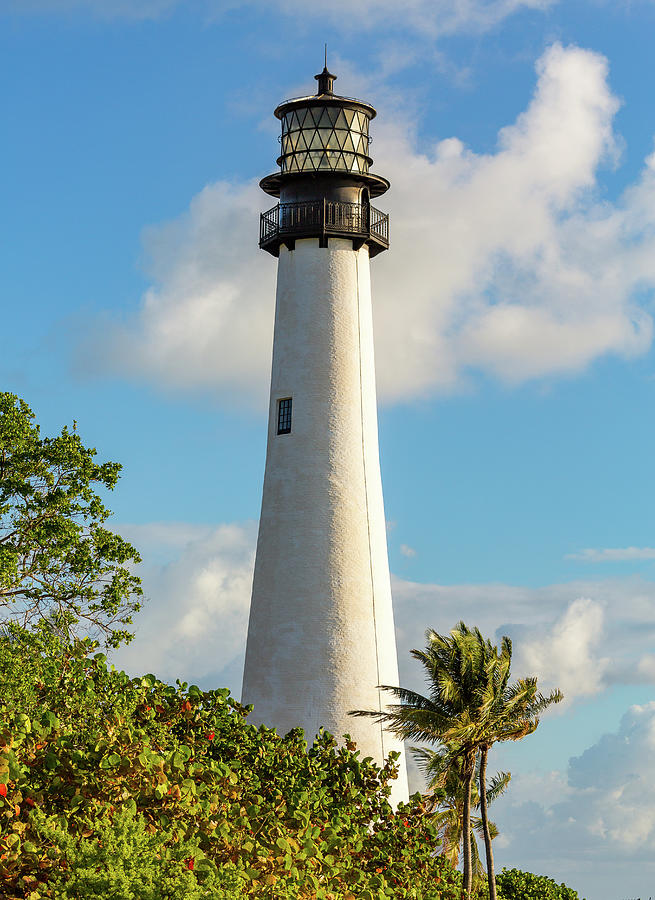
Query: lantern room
[[324, 181], [325, 137]]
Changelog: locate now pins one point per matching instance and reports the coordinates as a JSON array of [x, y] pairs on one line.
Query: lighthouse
[[321, 632]]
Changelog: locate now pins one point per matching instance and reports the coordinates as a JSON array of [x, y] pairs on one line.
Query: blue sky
[[514, 342]]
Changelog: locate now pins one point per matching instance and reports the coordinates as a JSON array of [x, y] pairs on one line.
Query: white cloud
[[613, 554], [431, 17], [410, 552], [207, 321], [507, 262], [567, 655], [606, 806], [646, 666], [198, 581], [581, 636]]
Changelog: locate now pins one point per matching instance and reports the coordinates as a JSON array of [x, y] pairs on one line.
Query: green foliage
[[109, 779], [123, 860], [58, 561], [516, 885]]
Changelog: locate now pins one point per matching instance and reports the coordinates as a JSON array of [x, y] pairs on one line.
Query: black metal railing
[[324, 217], [379, 225], [295, 217], [269, 224]]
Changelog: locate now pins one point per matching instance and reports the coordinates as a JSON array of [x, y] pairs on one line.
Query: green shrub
[[123, 860], [513, 884], [108, 781]]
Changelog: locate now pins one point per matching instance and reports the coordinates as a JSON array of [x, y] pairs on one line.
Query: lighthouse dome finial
[[325, 81]]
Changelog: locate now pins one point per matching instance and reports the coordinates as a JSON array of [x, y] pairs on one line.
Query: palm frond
[[497, 785]]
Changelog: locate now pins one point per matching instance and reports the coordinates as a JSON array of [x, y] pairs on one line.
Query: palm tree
[[446, 716], [506, 712], [444, 802], [470, 706]]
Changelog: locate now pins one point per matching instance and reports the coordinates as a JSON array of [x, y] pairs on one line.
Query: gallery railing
[[321, 218]]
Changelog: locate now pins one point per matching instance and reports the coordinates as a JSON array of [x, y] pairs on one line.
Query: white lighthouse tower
[[321, 633]]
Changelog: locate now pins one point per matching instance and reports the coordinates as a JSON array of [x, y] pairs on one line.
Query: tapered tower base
[[321, 634]]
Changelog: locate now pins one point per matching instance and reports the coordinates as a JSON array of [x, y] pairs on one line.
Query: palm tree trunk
[[466, 829], [491, 875]]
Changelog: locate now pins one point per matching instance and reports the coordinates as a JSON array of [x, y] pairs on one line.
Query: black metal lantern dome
[[324, 183]]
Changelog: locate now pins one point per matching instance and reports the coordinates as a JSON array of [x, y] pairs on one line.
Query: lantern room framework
[[333, 138]]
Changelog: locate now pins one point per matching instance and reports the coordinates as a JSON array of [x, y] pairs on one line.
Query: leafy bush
[[123, 860], [516, 885], [107, 781]]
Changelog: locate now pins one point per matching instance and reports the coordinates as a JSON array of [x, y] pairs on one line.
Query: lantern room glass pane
[[340, 121], [341, 137], [327, 139]]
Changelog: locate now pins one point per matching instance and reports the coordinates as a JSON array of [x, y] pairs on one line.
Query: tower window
[[284, 416]]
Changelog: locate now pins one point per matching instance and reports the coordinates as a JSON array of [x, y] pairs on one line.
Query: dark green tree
[[58, 560], [517, 885]]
